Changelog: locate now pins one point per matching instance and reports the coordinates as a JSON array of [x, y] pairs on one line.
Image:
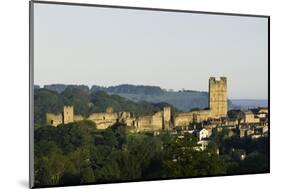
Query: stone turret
[[218, 97]]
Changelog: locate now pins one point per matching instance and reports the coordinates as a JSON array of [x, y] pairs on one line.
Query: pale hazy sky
[[105, 46]]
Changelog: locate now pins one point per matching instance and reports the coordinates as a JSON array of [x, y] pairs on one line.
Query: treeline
[[183, 100], [85, 103], [125, 88], [79, 153]]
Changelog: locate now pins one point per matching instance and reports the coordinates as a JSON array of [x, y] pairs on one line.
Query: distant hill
[[183, 100], [86, 102], [249, 103], [61, 87]]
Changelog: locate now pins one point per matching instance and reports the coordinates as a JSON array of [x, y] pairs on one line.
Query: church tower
[[218, 97]]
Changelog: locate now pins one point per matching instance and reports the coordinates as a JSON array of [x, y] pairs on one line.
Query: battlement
[[218, 80], [212, 79], [66, 107], [167, 109]]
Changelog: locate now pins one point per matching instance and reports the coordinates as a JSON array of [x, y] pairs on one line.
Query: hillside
[[86, 102], [182, 100], [61, 87]]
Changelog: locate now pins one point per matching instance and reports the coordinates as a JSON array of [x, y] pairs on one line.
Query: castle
[[161, 120]]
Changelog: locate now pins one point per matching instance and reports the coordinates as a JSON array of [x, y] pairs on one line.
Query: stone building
[[202, 134], [249, 117], [261, 112]]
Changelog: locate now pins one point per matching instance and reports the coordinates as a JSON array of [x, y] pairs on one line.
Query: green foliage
[[102, 100], [136, 89], [46, 101], [120, 131], [79, 153], [110, 138], [78, 97], [49, 169], [231, 149], [254, 163], [183, 100], [236, 115], [213, 147], [85, 103], [88, 175], [183, 159]]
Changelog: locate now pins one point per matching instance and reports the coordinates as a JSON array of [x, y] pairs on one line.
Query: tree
[[120, 130], [110, 138], [46, 101], [254, 163], [50, 169], [236, 115], [78, 97], [88, 175], [183, 159], [212, 147]]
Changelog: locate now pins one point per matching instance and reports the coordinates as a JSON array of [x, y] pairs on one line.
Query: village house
[[249, 117], [202, 134]]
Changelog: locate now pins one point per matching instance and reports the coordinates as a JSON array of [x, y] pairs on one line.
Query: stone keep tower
[[166, 117], [218, 97], [68, 114]]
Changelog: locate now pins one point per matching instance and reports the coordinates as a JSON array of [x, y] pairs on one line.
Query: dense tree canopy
[[46, 101], [78, 153]]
